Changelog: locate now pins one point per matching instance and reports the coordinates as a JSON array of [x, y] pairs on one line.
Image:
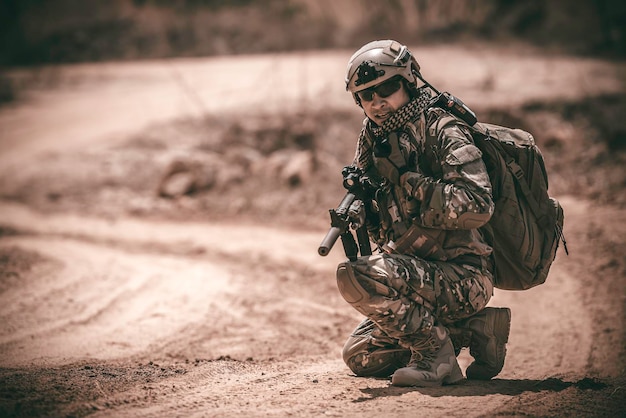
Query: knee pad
[[349, 287]]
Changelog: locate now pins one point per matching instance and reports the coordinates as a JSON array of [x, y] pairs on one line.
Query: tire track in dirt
[[260, 339], [102, 302], [535, 312], [177, 237], [120, 281]]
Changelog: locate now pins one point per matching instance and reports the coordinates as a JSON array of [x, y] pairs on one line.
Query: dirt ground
[[158, 246]]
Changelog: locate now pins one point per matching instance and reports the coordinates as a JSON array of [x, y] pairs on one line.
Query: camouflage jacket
[[445, 206]]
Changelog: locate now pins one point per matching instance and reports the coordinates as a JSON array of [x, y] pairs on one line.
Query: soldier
[[433, 276]]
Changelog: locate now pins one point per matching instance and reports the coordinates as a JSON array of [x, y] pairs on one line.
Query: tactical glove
[[412, 183]]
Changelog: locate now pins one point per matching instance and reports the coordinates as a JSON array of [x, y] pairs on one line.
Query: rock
[[177, 184], [185, 175], [298, 168]]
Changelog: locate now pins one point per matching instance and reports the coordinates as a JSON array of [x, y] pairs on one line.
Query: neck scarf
[[396, 122]]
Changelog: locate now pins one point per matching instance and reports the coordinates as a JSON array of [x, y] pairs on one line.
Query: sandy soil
[[172, 310]]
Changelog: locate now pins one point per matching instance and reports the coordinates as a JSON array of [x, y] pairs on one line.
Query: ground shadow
[[509, 387]]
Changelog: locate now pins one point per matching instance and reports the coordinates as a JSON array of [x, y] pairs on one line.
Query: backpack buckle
[[515, 169]]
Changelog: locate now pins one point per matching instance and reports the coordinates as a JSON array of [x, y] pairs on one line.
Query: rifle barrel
[[329, 240], [339, 224]]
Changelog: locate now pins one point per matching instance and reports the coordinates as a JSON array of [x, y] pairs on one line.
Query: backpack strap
[[518, 173], [436, 120]]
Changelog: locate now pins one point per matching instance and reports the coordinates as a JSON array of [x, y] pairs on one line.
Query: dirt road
[[139, 317]]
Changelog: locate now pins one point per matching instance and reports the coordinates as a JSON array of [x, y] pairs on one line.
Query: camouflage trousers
[[403, 296]]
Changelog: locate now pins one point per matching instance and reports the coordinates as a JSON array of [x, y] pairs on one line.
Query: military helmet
[[379, 61]]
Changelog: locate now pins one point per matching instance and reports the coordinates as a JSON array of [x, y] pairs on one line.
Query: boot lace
[[423, 353]]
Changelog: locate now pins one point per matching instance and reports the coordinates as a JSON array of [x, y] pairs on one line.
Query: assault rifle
[[351, 212]]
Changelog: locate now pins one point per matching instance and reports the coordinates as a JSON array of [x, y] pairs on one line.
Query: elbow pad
[[471, 220]]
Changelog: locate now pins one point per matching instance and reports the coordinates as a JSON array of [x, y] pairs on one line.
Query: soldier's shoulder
[[438, 119]]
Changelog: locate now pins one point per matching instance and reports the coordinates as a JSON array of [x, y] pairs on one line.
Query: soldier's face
[[381, 101]]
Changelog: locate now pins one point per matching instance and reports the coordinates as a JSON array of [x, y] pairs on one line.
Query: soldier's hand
[[356, 213], [412, 182]]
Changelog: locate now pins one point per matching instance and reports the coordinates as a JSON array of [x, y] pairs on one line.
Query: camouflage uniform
[[445, 273]]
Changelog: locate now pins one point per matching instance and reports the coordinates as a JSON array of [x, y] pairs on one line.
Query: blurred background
[[144, 142], [246, 98], [54, 31]]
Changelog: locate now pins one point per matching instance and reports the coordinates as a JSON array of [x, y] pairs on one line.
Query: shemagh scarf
[[396, 122]]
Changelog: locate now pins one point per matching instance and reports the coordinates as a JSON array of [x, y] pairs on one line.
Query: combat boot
[[489, 330], [432, 363]]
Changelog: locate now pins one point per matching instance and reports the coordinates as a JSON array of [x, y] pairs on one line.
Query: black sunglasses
[[383, 90]]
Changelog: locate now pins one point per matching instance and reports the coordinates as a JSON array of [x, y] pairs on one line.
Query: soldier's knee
[[367, 355], [376, 362], [352, 347], [349, 287], [371, 365]]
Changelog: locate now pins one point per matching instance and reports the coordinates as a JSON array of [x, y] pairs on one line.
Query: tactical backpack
[[527, 223]]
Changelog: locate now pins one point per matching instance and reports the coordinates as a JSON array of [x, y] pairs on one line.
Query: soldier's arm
[[462, 198]]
